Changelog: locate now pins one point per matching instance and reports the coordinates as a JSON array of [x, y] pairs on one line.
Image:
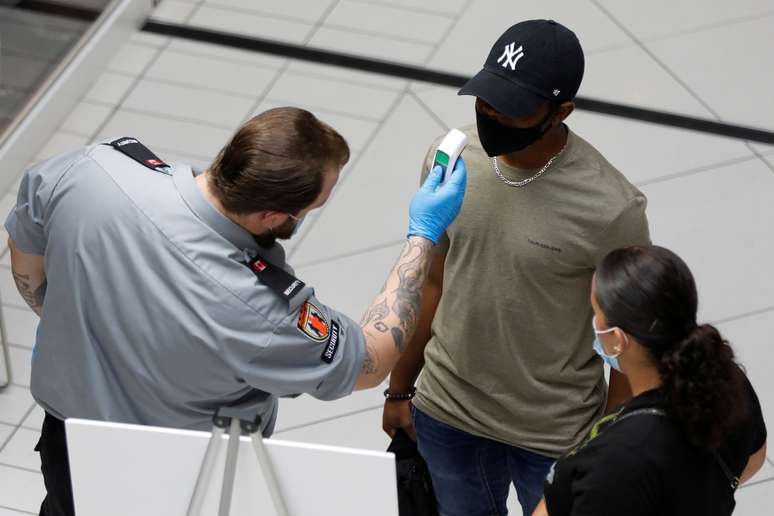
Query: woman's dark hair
[[276, 161], [649, 293]]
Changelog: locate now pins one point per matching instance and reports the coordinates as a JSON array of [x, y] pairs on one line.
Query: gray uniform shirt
[[151, 315]]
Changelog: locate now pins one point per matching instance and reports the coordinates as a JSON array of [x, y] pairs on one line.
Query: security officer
[[163, 294]]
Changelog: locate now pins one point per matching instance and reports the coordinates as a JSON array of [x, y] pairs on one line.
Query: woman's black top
[[644, 465]]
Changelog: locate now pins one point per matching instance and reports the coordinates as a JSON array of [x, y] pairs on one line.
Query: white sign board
[[128, 470]]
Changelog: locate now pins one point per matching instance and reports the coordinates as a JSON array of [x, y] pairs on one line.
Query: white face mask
[[611, 360]]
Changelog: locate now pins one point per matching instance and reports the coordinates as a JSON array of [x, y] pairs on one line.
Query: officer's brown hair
[[276, 162]]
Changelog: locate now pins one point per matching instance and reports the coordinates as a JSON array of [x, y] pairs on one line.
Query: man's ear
[[265, 220], [565, 110]]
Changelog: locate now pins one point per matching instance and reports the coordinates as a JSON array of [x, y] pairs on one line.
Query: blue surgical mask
[[611, 360]]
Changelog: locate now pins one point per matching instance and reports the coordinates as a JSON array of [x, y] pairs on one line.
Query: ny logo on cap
[[511, 56]]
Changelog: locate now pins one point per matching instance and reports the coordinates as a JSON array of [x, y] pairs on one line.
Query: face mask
[[611, 360], [298, 225], [498, 139]]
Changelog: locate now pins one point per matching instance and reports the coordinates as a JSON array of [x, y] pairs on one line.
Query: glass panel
[[34, 37]]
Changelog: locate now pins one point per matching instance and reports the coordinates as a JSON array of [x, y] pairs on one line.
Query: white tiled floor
[[334, 94], [19, 324], [395, 23], [300, 10], [109, 88], [710, 197], [724, 235], [15, 402], [208, 107], [185, 69], [750, 337], [250, 23], [717, 82], [20, 451], [132, 59], [659, 18]]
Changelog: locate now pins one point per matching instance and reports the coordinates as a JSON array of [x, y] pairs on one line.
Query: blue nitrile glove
[[435, 206]]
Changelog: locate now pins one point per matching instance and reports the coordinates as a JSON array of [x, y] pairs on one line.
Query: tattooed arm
[[30, 276], [390, 321]]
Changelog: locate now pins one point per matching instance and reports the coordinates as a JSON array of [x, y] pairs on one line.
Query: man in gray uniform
[[163, 295]]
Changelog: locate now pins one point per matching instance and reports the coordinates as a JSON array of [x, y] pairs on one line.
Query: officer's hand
[[397, 414], [435, 206]]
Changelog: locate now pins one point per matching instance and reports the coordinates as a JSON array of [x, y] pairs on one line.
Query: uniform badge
[[312, 323]]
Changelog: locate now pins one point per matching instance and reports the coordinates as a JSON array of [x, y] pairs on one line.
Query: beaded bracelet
[[400, 397]]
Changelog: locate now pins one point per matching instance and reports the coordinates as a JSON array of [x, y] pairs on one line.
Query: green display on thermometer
[[448, 151], [442, 159]]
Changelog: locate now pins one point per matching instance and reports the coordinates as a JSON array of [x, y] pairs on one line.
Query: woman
[[693, 430]]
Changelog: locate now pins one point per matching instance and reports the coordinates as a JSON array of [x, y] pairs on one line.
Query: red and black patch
[[139, 153], [276, 278], [312, 323]]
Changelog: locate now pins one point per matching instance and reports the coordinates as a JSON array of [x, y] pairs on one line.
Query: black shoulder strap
[[276, 278], [732, 479], [139, 153]]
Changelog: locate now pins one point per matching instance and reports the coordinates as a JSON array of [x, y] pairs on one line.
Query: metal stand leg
[[232, 455], [205, 473], [268, 473], [6, 357], [233, 419]]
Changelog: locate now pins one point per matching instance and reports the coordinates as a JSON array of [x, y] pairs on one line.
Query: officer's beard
[[284, 231]]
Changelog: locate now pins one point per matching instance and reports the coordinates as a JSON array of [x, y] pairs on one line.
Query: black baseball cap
[[533, 61]]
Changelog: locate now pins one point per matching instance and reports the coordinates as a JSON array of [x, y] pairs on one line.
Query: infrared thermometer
[[449, 150]]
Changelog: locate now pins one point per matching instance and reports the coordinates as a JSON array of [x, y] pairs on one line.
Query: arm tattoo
[[40, 293], [370, 361], [33, 298], [412, 273], [376, 315], [395, 312]]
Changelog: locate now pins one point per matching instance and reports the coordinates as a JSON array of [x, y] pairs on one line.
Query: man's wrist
[[416, 238], [401, 383], [392, 395]]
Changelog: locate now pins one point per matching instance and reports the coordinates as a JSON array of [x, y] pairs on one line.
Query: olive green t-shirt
[[510, 356]]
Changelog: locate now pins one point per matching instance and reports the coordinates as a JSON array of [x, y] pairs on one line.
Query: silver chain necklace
[[524, 182]]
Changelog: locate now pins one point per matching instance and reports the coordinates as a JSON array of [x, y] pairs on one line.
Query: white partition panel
[[127, 470]]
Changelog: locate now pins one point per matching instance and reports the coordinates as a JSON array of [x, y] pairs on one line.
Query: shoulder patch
[[312, 323], [277, 279], [139, 153], [329, 353]]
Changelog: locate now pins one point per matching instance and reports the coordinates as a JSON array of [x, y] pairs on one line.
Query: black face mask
[[498, 139]]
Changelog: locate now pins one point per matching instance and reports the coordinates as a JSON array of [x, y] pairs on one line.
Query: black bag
[[415, 489]]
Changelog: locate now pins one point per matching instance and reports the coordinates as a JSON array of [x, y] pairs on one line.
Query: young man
[[510, 379], [163, 295]]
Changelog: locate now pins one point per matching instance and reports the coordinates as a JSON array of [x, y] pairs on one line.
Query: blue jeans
[[472, 475]]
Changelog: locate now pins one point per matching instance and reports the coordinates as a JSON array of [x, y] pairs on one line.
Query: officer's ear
[[274, 218], [262, 221]]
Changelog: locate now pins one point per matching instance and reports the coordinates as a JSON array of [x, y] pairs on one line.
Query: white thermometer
[[449, 150]]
